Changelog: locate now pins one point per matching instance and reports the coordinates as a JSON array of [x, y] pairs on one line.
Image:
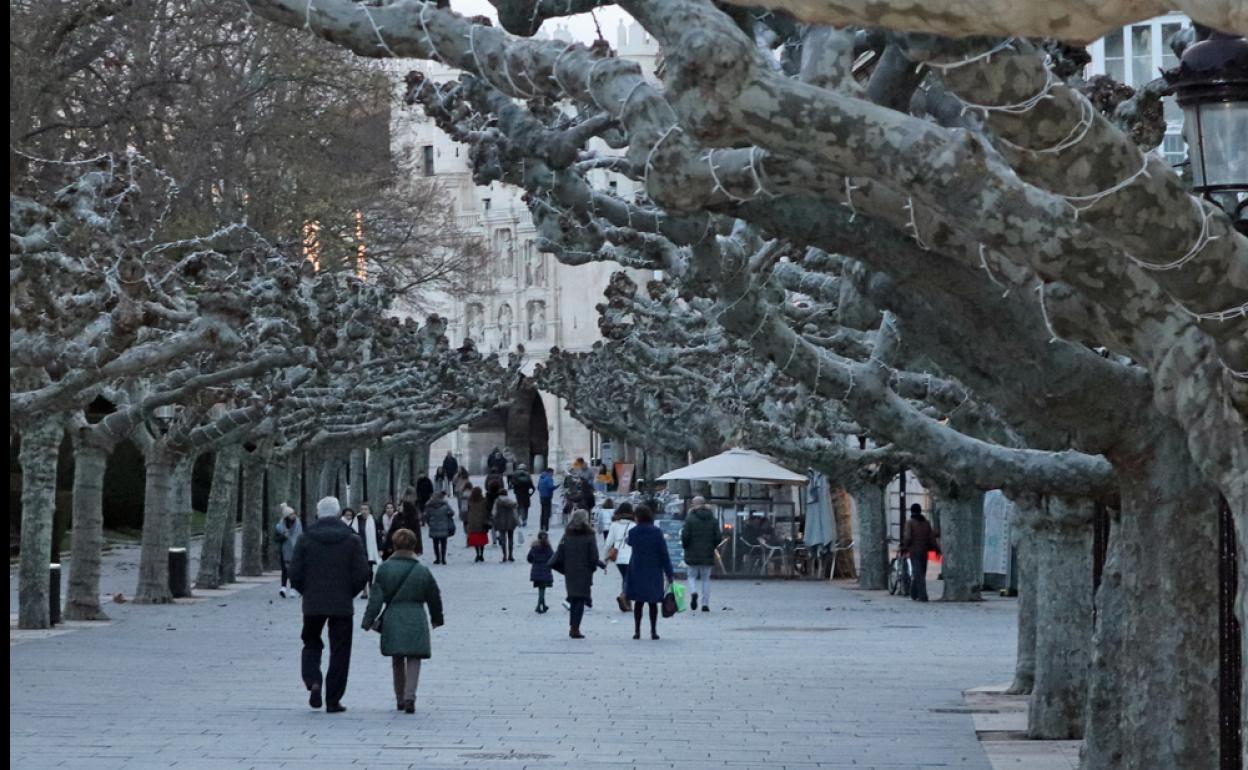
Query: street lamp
[[1211, 83], [165, 415]]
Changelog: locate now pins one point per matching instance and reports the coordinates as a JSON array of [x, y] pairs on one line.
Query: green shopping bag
[[678, 591]]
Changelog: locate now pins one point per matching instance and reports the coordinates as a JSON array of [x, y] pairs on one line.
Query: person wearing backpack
[[402, 591], [699, 537]]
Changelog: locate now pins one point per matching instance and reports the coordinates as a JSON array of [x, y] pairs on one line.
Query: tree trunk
[[253, 518], [153, 585], [219, 522], [1023, 536], [276, 488], [180, 502], [378, 479], [327, 468], [355, 474], [1063, 575], [962, 544], [1153, 690], [40, 445], [842, 511], [872, 537], [82, 601]]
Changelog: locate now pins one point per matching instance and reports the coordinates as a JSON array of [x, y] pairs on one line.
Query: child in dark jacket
[[540, 554]]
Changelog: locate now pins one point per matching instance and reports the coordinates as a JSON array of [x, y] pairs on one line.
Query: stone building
[[523, 297]]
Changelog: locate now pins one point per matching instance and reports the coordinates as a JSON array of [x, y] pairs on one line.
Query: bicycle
[[899, 574]]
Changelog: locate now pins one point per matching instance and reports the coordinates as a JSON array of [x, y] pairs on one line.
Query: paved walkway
[[780, 675]]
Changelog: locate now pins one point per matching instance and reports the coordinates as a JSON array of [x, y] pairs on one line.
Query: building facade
[[522, 297]]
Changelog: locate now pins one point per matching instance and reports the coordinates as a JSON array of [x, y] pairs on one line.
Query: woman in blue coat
[[648, 567]]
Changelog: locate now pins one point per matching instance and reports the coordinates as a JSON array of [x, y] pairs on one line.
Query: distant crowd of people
[[347, 554]]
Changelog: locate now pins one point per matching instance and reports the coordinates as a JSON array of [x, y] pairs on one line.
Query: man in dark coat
[[496, 462], [424, 491], [450, 466], [699, 537], [329, 569], [522, 485], [918, 539]]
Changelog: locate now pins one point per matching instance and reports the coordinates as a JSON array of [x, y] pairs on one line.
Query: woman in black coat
[[648, 565], [408, 517], [577, 559]]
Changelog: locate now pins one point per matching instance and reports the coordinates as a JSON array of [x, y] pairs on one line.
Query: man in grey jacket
[[329, 569]]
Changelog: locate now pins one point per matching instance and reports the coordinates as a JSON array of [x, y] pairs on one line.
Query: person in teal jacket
[[406, 588]]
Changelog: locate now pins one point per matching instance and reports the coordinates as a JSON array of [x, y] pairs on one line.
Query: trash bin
[[179, 578], [54, 594]]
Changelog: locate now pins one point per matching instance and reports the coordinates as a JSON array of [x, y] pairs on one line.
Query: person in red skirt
[[478, 524]]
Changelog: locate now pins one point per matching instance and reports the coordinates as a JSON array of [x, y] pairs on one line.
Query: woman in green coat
[[405, 587]]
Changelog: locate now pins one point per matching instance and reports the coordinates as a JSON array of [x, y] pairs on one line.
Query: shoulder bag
[[377, 622]]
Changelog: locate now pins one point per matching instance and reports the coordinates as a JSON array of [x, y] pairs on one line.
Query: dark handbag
[[381, 616], [669, 604]]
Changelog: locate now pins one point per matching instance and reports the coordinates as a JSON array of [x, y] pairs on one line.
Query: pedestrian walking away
[[450, 468], [408, 517], [522, 485], [478, 523], [328, 568], [546, 496], [699, 537], [540, 554], [649, 570], [577, 559], [603, 516], [505, 519], [405, 601], [370, 533], [441, 525], [424, 490], [917, 540], [619, 551], [287, 533]]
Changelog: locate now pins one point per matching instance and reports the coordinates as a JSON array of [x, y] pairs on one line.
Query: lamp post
[[1211, 84]]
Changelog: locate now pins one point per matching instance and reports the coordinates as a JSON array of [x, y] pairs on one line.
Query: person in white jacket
[[366, 527], [618, 550]]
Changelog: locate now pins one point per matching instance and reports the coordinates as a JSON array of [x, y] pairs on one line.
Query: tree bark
[[962, 543], [1153, 690], [872, 537], [844, 566], [1025, 664], [278, 485], [40, 445], [180, 502], [153, 585], [82, 601], [218, 525], [355, 472], [253, 518], [378, 478], [1063, 642]]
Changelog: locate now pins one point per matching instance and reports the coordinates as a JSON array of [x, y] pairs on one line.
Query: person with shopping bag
[[619, 552], [699, 537], [649, 570]]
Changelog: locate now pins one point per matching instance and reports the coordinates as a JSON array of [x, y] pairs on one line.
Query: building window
[[427, 151], [485, 204], [1174, 149], [614, 186], [1115, 65], [1141, 55]]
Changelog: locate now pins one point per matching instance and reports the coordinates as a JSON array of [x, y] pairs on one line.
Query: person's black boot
[[314, 696], [693, 602]]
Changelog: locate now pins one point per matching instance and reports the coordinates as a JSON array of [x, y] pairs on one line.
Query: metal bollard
[[54, 594], [179, 577]]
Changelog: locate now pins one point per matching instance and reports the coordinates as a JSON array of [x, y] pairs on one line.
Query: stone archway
[[520, 427]]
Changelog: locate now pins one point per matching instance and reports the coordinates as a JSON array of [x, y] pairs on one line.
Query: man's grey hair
[[697, 502], [328, 507]]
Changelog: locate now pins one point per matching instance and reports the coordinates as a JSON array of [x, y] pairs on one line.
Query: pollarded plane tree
[[1010, 178]]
